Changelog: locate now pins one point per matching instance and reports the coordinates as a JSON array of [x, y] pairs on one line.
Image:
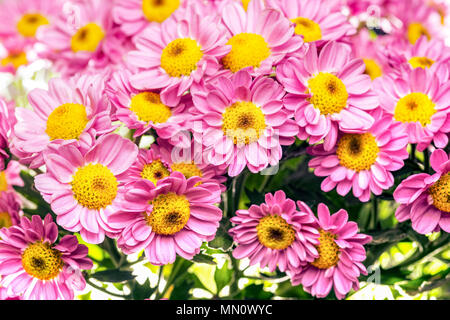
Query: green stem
[[93, 285], [234, 287], [176, 267], [426, 160]]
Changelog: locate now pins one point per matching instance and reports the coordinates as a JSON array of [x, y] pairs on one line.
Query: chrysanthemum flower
[[174, 217], [89, 41], [22, 18], [245, 121], [175, 54], [259, 38], [423, 198], [143, 110], [362, 161], [35, 267], [275, 234], [316, 21], [341, 253], [10, 211], [70, 111], [14, 54], [420, 102], [328, 92], [82, 187]]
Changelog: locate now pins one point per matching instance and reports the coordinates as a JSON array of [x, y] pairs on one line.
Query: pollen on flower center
[[373, 69], [421, 62], [16, 59], [440, 192], [87, 38], [329, 93], [189, 170], [309, 29], [415, 31], [181, 57], [247, 50], [159, 10], [3, 181], [5, 220], [170, 213], [148, 108], [243, 122], [357, 151], [155, 171], [328, 251], [415, 107], [67, 122], [94, 186], [41, 261], [274, 232], [29, 23]]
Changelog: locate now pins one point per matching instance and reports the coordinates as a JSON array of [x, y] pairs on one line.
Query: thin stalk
[[93, 285]]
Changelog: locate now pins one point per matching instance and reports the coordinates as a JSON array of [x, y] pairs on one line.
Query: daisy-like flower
[[21, 19], [34, 267], [328, 92], [275, 234], [82, 187], [341, 253], [10, 212], [174, 217], [362, 161], [259, 38], [420, 102], [14, 55], [423, 198], [84, 40], [143, 110], [74, 110], [316, 21], [245, 121], [177, 53], [10, 177]]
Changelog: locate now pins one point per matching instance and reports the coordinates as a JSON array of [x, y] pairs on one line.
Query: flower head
[[10, 211]]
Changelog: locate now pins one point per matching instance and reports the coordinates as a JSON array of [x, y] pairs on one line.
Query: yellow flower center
[[170, 213], [148, 107], [357, 151], [415, 107], [328, 251], [94, 186], [189, 170], [87, 38], [247, 50], [16, 59], [41, 261], [5, 220], [440, 192], [309, 29], [274, 232], [415, 31], [159, 10], [243, 122], [329, 94], [245, 4], [29, 23], [67, 122], [421, 62], [373, 69], [181, 57], [3, 181], [154, 171]]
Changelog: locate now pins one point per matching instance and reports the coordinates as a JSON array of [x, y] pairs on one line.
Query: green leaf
[[203, 258], [222, 276], [113, 276], [86, 296], [256, 292], [222, 240], [142, 292]]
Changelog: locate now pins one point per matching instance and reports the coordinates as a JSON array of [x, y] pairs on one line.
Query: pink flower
[[275, 234], [259, 38], [244, 122], [16, 53], [6, 120], [362, 161], [10, 177], [34, 267], [177, 53], [84, 39], [316, 21], [174, 217], [341, 253], [143, 110], [328, 92], [10, 210], [420, 102], [71, 111], [82, 186], [423, 197]]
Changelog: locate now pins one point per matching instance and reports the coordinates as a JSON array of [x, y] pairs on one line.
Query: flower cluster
[[156, 108]]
